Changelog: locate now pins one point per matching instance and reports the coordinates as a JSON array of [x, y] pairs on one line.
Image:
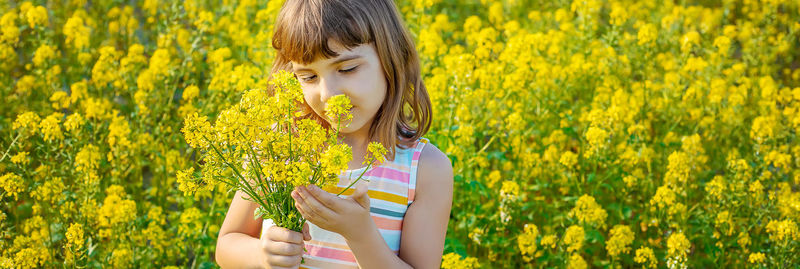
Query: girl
[[398, 219]]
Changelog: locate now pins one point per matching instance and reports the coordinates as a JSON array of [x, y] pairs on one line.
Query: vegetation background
[[583, 133]]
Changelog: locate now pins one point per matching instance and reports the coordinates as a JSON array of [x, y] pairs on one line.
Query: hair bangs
[[302, 32]]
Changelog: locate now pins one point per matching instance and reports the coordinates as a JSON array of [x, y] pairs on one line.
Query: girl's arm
[[424, 225], [238, 243]]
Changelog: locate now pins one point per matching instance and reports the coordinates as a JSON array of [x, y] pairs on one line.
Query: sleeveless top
[[391, 191]]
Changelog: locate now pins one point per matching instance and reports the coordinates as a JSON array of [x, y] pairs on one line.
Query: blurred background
[[583, 133]]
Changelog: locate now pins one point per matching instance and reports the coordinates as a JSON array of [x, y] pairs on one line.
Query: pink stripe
[[387, 223], [389, 173], [320, 251], [415, 157]]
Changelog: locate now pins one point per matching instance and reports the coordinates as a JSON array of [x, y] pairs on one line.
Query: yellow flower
[[678, 245], [76, 32], [549, 241], [510, 190], [569, 159], [10, 31], [574, 238], [118, 132], [377, 153], [59, 100], [159, 62], [190, 93], [74, 122], [493, 178], [334, 160], [74, 236], [50, 127], [678, 169], [21, 158], [779, 160], [50, 192], [619, 14], [26, 84], [36, 16], [764, 127], [115, 211], [454, 261], [597, 139], [28, 122], [12, 184], [757, 257], [620, 241], [190, 224], [300, 173], [121, 257], [105, 69], [87, 159], [197, 130], [783, 232], [724, 222], [337, 109], [587, 210], [689, 39], [723, 43], [646, 257], [647, 34], [187, 182], [630, 181], [527, 241], [30, 258], [663, 198], [576, 262], [43, 53]]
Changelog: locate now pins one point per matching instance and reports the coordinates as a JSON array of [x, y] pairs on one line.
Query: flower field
[[610, 134]]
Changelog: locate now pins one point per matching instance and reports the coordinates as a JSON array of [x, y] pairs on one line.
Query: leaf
[[455, 246]]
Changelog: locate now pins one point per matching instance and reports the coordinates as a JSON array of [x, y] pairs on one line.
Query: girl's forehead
[[344, 54]]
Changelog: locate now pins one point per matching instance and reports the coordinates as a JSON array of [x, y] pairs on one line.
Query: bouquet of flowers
[[263, 148]]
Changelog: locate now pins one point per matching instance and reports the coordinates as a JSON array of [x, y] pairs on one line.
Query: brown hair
[[302, 30]]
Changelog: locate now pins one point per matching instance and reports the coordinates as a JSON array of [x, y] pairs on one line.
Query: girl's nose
[[329, 88]]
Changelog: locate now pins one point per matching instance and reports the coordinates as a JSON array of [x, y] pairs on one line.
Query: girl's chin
[[349, 128]]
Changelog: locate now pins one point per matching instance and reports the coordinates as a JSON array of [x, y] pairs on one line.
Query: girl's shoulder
[[431, 154], [434, 174]]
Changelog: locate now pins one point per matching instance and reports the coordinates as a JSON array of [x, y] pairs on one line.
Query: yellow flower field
[[610, 134]]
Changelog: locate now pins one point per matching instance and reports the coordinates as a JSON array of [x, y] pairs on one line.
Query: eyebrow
[[341, 59]]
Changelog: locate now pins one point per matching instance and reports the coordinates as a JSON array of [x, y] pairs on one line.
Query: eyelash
[[307, 79]]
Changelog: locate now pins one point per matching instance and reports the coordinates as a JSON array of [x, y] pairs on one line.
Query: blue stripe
[[386, 212]]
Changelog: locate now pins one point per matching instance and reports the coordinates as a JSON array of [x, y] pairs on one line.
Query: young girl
[[398, 219]]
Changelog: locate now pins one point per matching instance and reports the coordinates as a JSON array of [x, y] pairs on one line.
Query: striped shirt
[[391, 191]]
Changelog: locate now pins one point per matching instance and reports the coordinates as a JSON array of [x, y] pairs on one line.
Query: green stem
[[10, 146], [357, 179]]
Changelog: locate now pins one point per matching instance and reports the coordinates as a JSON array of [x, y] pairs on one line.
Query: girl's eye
[[309, 78], [349, 70]]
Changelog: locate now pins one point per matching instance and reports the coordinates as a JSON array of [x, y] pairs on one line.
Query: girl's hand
[[346, 216], [283, 248]]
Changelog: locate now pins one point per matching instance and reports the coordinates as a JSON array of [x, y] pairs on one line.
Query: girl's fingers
[[285, 249], [286, 261], [324, 197], [360, 196], [313, 206], [303, 213], [306, 232], [279, 234]]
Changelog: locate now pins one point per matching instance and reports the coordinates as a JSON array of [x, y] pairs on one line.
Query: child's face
[[356, 73]]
